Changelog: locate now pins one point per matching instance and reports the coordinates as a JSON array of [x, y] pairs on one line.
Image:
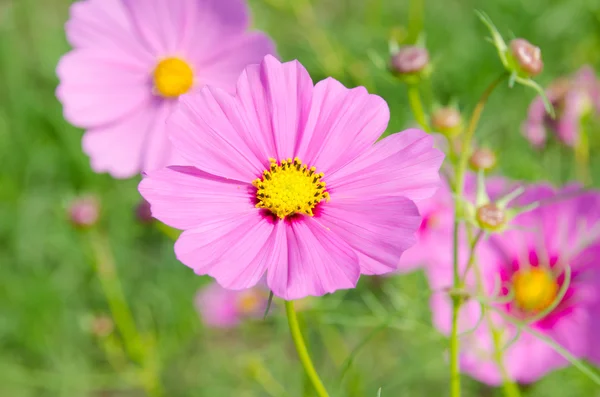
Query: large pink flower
[[131, 61], [287, 181], [527, 269]]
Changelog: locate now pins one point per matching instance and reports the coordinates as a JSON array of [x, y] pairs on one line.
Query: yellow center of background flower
[[535, 289], [249, 301], [173, 77], [290, 188]]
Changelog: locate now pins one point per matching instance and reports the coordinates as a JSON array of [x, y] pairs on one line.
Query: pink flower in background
[[132, 59], [287, 180], [223, 308], [532, 261], [437, 214], [573, 98]]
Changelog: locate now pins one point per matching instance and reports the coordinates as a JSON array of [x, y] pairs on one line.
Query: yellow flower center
[[249, 301], [173, 77], [290, 188], [535, 289]]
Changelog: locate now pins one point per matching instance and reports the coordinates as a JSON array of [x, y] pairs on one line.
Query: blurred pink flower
[[572, 98], [84, 211], [255, 200], [531, 260], [132, 59], [223, 308]]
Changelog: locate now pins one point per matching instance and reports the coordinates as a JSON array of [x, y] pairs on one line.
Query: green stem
[[582, 157], [303, 355], [415, 20], [509, 387], [416, 105], [459, 188]]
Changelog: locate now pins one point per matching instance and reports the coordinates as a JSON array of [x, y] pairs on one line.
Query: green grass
[[48, 287]]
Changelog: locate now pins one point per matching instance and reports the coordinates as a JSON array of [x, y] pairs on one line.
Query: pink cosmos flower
[[436, 225], [287, 180], [223, 308], [572, 98], [544, 271], [132, 60]]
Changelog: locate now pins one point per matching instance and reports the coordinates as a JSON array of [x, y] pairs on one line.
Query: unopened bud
[[490, 217], [410, 60], [102, 326], [84, 211], [143, 212], [482, 159], [447, 121], [527, 56]]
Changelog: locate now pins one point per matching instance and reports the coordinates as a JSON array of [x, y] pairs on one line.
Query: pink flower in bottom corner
[[130, 62], [223, 308], [528, 269], [287, 180], [573, 98]]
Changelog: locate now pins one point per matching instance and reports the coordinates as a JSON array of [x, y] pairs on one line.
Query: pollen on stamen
[[290, 187], [173, 77]]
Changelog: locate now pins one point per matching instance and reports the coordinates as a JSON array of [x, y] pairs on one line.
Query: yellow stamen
[[249, 301], [535, 289], [290, 188], [173, 77]]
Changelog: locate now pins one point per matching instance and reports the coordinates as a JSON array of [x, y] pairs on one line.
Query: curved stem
[[416, 105], [509, 387], [458, 190], [303, 355]]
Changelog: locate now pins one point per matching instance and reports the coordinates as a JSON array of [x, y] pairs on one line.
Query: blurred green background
[[48, 288]]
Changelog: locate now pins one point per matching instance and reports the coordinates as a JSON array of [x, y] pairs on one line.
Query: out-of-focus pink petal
[[200, 197], [342, 124], [235, 249], [117, 148], [217, 306], [104, 25], [402, 164], [318, 262], [96, 88], [379, 229], [223, 67]]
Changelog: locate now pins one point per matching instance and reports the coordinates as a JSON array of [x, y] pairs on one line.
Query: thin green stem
[[582, 157], [415, 20], [416, 105], [461, 169], [303, 354], [509, 387]]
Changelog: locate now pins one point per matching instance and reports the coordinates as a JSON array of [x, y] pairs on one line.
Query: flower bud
[[490, 217], [410, 60], [143, 212], [527, 56], [101, 326], [483, 159], [84, 211], [447, 120]]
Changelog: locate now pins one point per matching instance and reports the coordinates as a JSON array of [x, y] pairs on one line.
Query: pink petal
[[118, 148], [402, 164], [235, 249], [318, 261], [158, 151], [104, 25], [342, 124], [379, 229], [223, 68], [185, 197], [97, 88], [217, 306], [210, 132]]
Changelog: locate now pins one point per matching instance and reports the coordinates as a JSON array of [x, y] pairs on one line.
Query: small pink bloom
[[530, 263], [130, 62], [84, 211], [287, 180], [572, 98], [223, 308]]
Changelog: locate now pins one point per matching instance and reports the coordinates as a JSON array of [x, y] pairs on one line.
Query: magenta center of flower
[[290, 187], [173, 77]]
